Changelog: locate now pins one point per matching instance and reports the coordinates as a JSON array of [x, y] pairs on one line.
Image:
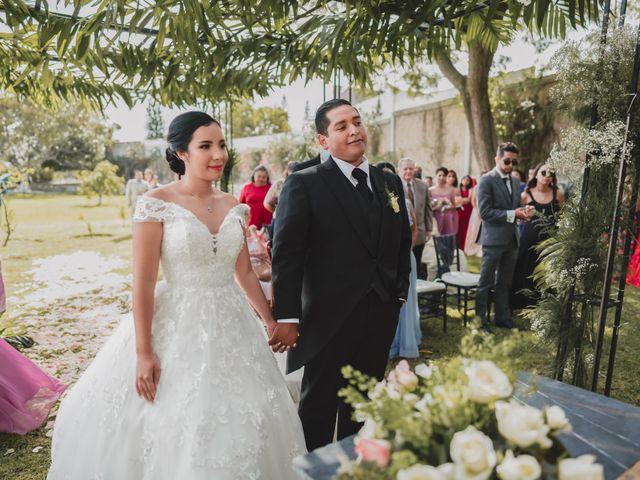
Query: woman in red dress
[[464, 210], [253, 194]]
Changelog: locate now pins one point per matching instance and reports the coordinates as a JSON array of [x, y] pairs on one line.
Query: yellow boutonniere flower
[[392, 200]]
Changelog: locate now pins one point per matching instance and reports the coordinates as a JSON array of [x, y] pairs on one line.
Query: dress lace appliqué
[[222, 409]]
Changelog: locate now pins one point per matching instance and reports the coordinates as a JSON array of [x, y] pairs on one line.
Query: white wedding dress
[[222, 409]]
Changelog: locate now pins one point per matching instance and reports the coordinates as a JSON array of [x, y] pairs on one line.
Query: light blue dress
[[408, 334]]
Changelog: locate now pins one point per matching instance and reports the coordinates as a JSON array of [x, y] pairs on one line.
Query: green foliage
[[102, 180], [18, 342], [288, 148], [249, 121], [68, 139], [155, 123], [183, 52], [135, 158], [523, 115], [572, 261], [225, 181]]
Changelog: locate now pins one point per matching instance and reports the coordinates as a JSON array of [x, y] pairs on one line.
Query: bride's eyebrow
[[206, 142]]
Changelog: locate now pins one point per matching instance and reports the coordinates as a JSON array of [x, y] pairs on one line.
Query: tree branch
[[447, 68]]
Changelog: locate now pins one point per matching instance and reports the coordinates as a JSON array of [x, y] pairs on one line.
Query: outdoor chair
[[447, 255], [425, 287]]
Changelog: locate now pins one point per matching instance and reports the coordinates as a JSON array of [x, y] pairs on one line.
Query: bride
[[189, 389]]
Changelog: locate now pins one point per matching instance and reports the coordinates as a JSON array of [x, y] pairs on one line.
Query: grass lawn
[[71, 324]]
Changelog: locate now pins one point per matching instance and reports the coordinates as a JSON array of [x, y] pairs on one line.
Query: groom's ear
[[322, 141]]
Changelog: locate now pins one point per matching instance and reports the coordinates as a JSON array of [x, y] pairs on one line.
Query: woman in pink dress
[[475, 222], [464, 209], [253, 194], [26, 392], [443, 202]]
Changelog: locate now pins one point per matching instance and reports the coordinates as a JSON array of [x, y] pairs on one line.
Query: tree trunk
[[474, 93]]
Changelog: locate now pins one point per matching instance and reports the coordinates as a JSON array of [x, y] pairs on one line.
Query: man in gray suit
[[499, 204], [416, 191]]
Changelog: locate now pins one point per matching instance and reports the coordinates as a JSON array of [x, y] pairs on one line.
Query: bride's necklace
[[209, 207]]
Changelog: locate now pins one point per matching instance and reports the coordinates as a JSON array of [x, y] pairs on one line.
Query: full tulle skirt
[[222, 408]]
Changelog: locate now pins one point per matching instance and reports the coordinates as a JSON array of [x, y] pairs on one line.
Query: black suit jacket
[[312, 162], [325, 259]]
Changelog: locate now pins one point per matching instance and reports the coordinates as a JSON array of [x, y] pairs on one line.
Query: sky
[[521, 54]]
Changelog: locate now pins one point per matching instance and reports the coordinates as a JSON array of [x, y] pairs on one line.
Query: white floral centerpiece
[[456, 420]]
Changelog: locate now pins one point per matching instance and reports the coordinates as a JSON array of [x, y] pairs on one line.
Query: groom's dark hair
[[322, 122]]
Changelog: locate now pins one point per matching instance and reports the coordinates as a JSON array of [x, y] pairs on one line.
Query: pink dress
[[26, 392], [447, 220]]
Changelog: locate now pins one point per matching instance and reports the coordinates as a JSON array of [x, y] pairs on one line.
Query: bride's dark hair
[[180, 134]]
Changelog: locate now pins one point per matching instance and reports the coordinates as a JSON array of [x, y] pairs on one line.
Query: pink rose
[[374, 451]]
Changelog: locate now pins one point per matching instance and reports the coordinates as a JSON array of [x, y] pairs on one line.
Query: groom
[[340, 270]]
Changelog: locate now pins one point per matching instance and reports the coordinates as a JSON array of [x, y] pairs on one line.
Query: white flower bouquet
[[455, 420]]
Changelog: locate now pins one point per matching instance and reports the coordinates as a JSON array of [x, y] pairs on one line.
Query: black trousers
[[362, 342]]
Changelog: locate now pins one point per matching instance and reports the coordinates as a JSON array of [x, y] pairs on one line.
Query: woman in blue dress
[[408, 334]]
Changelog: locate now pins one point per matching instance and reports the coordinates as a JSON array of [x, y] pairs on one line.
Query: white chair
[[447, 256], [425, 287]]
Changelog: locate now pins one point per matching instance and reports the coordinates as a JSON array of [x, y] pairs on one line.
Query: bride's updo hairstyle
[[180, 134]]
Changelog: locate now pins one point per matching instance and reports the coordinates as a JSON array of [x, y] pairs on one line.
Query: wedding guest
[[254, 193], [471, 246], [464, 209], [443, 202], [499, 205], [272, 196], [418, 195], [452, 179], [519, 174], [428, 181], [406, 343], [542, 193], [27, 393], [417, 172], [135, 187], [151, 179]]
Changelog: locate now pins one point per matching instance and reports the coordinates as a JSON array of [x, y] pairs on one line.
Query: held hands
[[148, 376], [283, 337], [525, 213]]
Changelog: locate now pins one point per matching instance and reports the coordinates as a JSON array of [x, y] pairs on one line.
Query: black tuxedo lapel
[[378, 184], [347, 197]]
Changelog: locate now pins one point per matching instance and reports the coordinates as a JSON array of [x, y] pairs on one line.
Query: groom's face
[[346, 137]]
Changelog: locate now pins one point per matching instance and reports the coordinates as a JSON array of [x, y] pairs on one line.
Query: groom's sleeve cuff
[[511, 216], [288, 320]]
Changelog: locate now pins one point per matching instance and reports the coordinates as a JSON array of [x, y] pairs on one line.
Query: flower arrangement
[[455, 420]]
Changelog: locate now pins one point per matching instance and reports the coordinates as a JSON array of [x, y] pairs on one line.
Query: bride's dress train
[[222, 408]]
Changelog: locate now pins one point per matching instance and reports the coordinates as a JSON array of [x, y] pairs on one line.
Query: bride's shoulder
[[165, 193]]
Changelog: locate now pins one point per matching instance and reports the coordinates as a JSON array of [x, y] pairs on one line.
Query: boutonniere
[[392, 200]]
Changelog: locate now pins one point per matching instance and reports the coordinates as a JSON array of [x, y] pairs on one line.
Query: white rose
[[407, 380], [447, 470], [410, 398], [420, 472], [522, 467], [556, 419], [377, 390], [581, 468], [369, 428], [423, 370], [522, 424], [487, 382], [392, 392], [472, 454]]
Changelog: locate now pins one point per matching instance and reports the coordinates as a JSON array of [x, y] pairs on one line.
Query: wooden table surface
[[606, 428]]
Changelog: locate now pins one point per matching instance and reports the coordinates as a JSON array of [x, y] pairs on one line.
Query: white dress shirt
[[511, 214]]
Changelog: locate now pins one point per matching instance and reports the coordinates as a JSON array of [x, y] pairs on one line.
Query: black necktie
[[506, 184], [362, 188]]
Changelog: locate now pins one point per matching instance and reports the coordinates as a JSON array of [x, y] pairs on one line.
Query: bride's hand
[[148, 376], [270, 326]]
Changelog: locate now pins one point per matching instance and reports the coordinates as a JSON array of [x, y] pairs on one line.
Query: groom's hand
[[284, 337]]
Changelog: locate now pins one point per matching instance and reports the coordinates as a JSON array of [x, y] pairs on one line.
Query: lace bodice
[[191, 256]]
